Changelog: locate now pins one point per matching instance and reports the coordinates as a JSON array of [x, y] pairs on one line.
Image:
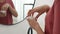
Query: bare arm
[[13, 11], [8, 6], [42, 9], [39, 9], [34, 24]]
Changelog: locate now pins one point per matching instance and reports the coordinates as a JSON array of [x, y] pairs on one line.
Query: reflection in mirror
[[20, 9]]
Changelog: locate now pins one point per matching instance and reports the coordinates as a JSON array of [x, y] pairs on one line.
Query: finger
[[5, 6], [29, 20], [29, 13], [33, 14]]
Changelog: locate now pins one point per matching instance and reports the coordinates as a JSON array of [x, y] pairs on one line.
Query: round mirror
[[22, 7]]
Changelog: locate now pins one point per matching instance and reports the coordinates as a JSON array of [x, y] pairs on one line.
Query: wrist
[[38, 29]]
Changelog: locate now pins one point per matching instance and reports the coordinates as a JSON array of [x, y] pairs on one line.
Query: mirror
[[21, 9]]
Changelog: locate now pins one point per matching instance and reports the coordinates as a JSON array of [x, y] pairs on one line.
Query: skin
[[7, 6], [33, 22], [40, 10]]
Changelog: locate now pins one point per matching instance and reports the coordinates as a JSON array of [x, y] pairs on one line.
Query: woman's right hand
[[40, 10], [33, 23]]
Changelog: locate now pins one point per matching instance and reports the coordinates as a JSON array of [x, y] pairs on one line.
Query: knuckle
[[30, 10]]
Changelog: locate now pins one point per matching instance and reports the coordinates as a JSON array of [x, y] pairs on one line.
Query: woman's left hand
[[5, 6]]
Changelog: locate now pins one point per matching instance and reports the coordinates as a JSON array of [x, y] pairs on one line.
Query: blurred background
[[22, 7]]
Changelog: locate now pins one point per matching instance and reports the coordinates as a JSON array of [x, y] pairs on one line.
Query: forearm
[[39, 30], [42, 9], [35, 25], [13, 11]]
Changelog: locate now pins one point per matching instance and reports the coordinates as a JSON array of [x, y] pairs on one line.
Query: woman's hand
[[11, 9], [5, 7], [34, 24], [40, 10], [32, 11]]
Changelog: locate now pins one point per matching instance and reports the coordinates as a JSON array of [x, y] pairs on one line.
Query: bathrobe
[[8, 18], [52, 20]]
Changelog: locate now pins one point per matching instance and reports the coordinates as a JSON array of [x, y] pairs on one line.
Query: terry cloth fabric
[[53, 19], [8, 19]]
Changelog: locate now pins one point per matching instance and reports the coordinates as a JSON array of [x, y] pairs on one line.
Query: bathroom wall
[[23, 26]]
